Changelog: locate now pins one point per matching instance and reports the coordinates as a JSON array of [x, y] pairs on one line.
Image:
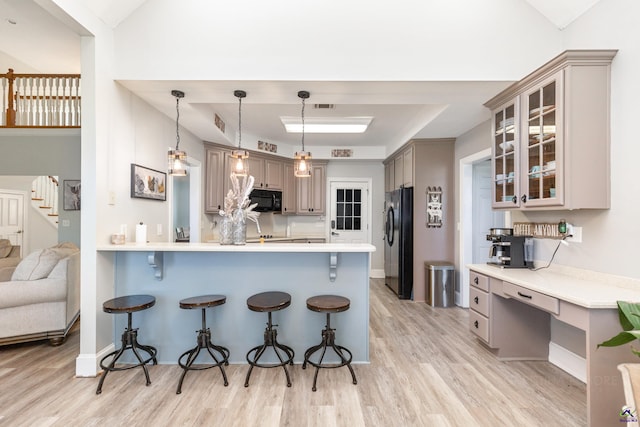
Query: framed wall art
[[71, 195], [148, 183]]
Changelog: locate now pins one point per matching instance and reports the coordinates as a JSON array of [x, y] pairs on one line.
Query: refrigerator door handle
[[389, 232]]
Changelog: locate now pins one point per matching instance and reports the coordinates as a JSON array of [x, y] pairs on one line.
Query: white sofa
[[40, 308]]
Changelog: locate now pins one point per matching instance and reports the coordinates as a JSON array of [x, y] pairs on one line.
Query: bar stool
[[204, 339], [328, 304], [128, 304], [269, 302]]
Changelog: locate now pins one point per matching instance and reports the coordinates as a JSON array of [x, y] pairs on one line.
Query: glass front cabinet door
[[541, 183], [505, 156]]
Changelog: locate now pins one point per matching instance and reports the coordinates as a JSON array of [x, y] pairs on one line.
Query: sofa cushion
[[36, 265], [5, 248]]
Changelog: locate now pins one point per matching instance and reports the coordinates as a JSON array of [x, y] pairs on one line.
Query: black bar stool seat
[[204, 339], [269, 302], [328, 304], [128, 304]]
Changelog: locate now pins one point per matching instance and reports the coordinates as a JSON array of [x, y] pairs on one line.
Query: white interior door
[[484, 218], [12, 217], [349, 212]]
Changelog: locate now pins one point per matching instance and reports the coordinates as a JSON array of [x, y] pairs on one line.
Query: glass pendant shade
[[302, 164], [177, 158], [240, 164]]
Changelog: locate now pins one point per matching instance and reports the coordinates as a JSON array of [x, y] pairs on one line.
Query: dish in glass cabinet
[[506, 146]]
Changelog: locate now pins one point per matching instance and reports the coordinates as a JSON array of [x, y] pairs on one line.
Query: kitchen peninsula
[[173, 271]]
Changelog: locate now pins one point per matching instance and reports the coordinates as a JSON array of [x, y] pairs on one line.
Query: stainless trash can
[[440, 283]]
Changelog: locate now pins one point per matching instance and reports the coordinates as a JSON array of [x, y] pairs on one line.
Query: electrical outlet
[[576, 235], [66, 223], [159, 229], [112, 197]]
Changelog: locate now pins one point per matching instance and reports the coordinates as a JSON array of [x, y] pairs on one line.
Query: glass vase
[[239, 227], [226, 230]]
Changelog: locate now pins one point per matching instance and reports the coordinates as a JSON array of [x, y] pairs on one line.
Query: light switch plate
[[159, 229]]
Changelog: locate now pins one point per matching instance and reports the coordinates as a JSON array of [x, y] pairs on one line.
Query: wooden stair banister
[[56, 102]]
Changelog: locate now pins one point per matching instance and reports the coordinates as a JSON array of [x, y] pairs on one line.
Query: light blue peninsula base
[[172, 272]]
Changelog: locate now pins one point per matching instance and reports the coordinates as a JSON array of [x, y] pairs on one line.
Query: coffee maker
[[510, 251]]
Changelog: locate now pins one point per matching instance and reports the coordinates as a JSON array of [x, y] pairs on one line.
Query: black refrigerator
[[398, 242]]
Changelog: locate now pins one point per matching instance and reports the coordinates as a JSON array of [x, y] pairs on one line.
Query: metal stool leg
[[204, 341], [328, 340], [270, 340]]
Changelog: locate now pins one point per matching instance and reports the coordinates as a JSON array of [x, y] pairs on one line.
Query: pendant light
[[240, 167], [177, 158], [302, 163]]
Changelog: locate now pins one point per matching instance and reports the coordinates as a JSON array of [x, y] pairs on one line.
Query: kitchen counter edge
[[249, 247], [582, 291]]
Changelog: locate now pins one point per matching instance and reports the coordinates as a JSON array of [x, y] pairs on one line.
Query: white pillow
[[37, 265]]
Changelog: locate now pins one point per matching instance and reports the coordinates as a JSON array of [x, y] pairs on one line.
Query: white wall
[[609, 237]]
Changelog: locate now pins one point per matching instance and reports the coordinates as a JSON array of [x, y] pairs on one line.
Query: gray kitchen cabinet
[[503, 323], [214, 179], [550, 136], [398, 171], [289, 194], [267, 172], [311, 191]]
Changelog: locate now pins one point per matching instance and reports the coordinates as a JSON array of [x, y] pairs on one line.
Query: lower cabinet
[[480, 306], [505, 322]]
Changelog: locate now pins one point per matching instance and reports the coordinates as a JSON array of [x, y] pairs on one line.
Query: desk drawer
[[479, 281], [479, 301], [536, 299], [479, 325]]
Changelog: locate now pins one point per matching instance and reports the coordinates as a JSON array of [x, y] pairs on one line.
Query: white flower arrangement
[[238, 199]]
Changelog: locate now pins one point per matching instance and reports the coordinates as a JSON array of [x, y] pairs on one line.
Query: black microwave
[[267, 200]]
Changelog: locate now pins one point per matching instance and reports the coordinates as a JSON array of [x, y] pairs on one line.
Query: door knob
[[333, 233]]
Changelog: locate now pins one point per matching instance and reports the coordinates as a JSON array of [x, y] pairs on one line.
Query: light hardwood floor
[[426, 370]]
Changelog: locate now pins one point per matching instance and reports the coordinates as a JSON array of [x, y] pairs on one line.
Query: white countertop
[[580, 287], [249, 247]]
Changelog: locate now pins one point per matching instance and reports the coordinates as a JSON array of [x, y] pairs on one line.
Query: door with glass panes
[[349, 222], [542, 144]]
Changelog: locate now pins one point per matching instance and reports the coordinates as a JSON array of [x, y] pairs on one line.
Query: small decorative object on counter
[[117, 239], [141, 233], [237, 209]]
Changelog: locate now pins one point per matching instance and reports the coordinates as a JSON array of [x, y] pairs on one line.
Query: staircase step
[[37, 199], [45, 207], [52, 214]]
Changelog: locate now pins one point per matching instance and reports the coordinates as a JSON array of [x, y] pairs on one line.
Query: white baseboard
[[87, 364], [376, 273], [568, 361]]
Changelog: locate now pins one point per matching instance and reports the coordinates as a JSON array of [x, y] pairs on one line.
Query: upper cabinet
[[289, 193], [550, 136], [214, 181], [268, 173], [311, 190], [399, 169]]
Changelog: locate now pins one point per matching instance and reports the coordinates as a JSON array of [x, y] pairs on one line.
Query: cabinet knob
[[475, 280], [476, 300], [524, 198], [475, 324]]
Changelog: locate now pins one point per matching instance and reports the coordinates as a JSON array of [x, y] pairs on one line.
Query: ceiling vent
[[324, 106]]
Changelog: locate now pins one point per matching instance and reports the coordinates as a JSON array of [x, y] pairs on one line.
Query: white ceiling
[[398, 108]]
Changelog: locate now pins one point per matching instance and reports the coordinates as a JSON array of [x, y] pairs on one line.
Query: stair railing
[[40, 100]]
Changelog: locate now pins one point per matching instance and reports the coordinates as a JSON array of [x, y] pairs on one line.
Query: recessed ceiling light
[[326, 124]]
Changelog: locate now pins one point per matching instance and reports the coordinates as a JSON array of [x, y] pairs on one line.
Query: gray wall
[[38, 152]]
